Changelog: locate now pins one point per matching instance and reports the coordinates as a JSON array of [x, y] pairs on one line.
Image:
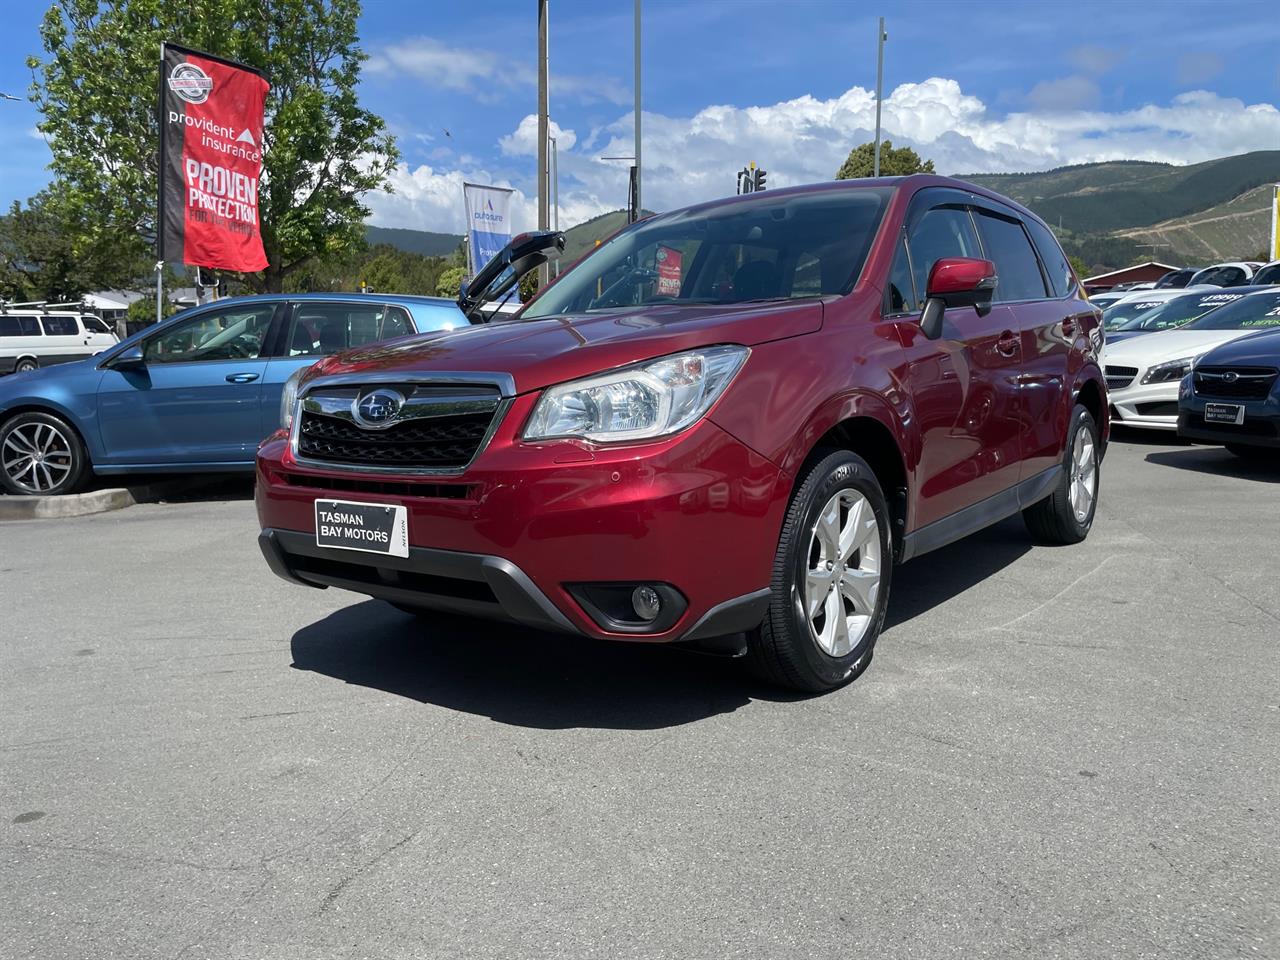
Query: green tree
[[322, 151], [450, 282], [1079, 266], [44, 257], [894, 162]]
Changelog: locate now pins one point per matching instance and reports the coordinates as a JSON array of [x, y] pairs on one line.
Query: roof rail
[[5, 305]]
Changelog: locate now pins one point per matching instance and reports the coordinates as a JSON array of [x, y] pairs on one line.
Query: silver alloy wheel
[[36, 457], [1083, 485], [843, 573]]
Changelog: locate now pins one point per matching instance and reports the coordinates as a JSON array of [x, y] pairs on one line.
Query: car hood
[[1258, 349], [538, 353], [1166, 345], [22, 383]]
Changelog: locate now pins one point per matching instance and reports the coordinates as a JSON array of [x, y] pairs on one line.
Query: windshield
[[1267, 275], [1221, 277], [1179, 311], [786, 247], [1258, 311], [1119, 313]]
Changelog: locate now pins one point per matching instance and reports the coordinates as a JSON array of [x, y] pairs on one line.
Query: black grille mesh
[[1251, 383], [433, 443]]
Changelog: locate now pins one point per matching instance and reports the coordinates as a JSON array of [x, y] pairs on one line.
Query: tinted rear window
[[1017, 268], [19, 326], [1055, 262], [60, 326]]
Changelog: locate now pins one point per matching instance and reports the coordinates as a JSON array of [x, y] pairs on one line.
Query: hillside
[[1125, 195], [578, 240], [414, 241], [1238, 228]]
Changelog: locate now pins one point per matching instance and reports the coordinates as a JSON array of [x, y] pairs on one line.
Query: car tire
[[1066, 515], [41, 455], [828, 561], [26, 365], [1253, 454]]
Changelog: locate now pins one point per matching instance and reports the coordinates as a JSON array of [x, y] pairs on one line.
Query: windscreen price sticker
[[367, 527]]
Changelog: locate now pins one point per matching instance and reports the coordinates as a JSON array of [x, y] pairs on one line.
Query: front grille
[[1119, 377], [1235, 383], [438, 427]]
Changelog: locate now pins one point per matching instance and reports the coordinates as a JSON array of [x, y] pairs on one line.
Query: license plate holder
[[365, 527], [1224, 413]]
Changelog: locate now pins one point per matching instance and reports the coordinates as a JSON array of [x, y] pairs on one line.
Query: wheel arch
[[1090, 393], [862, 424], [53, 410]]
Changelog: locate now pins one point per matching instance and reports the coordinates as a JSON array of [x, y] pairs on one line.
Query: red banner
[[211, 161], [670, 266]]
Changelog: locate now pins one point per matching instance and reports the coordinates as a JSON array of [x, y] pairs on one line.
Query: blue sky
[[976, 86]]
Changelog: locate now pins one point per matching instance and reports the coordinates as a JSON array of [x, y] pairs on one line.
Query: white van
[[41, 338]]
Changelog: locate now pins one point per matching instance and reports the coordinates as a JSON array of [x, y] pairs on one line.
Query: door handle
[[1007, 345], [241, 377]]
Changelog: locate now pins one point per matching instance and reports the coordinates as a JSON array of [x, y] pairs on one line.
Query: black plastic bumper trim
[[737, 615], [517, 597]]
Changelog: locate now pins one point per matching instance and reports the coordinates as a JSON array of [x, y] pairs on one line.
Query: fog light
[[646, 603]]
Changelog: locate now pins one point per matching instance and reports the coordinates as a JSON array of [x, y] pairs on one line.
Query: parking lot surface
[[1058, 752]]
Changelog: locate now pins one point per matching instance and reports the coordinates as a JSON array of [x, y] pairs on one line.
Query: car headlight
[[1169, 371], [637, 403], [289, 398]]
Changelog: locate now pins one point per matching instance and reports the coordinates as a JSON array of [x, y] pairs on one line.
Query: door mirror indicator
[[957, 282]]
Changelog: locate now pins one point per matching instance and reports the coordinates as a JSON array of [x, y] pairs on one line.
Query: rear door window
[[60, 326], [321, 329], [942, 232], [1056, 266], [1009, 248]]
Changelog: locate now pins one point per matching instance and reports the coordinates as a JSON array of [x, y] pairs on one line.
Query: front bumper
[[1261, 427], [513, 535], [1153, 406]]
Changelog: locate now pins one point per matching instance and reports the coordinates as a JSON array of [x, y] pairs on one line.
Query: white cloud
[[486, 74], [523, 142], [689, 159]]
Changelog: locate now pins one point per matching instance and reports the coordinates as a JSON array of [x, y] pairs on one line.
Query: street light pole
[[543, 211], [881, 37], [639, 202]]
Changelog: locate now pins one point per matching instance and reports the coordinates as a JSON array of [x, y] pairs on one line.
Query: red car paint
[[967, 416]]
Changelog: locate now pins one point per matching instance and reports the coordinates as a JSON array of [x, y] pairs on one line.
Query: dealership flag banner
[[210, 160], [488, 223]]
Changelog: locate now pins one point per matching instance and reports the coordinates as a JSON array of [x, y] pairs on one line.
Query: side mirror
[[957, 282], [129, 359]]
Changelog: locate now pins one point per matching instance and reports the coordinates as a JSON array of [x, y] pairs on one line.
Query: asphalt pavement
[[1058, 752]]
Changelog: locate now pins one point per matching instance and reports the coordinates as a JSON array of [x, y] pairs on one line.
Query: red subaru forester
[[722, 428]]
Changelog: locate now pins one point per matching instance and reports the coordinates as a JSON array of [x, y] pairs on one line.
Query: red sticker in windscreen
[[669, 266]]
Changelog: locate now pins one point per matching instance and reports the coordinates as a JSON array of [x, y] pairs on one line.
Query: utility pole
[[544, 219], [881, 37], [555, 192], [639, 201]]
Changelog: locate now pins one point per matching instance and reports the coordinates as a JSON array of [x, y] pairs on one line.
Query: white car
[[1144, 374], [44, 336], [1232, 274], [1131, 305], [1268, 274]]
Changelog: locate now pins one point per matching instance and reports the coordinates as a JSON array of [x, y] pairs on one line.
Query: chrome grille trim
[[334, 396]]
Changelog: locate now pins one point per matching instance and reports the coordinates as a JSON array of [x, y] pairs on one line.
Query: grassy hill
[[1124, 195], [414, 241], [1238, 228]]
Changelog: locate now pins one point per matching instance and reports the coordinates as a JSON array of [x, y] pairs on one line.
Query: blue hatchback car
[[194, 393]]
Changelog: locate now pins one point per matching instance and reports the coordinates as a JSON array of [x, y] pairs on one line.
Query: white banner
[[1275, 223], [488, 222]]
